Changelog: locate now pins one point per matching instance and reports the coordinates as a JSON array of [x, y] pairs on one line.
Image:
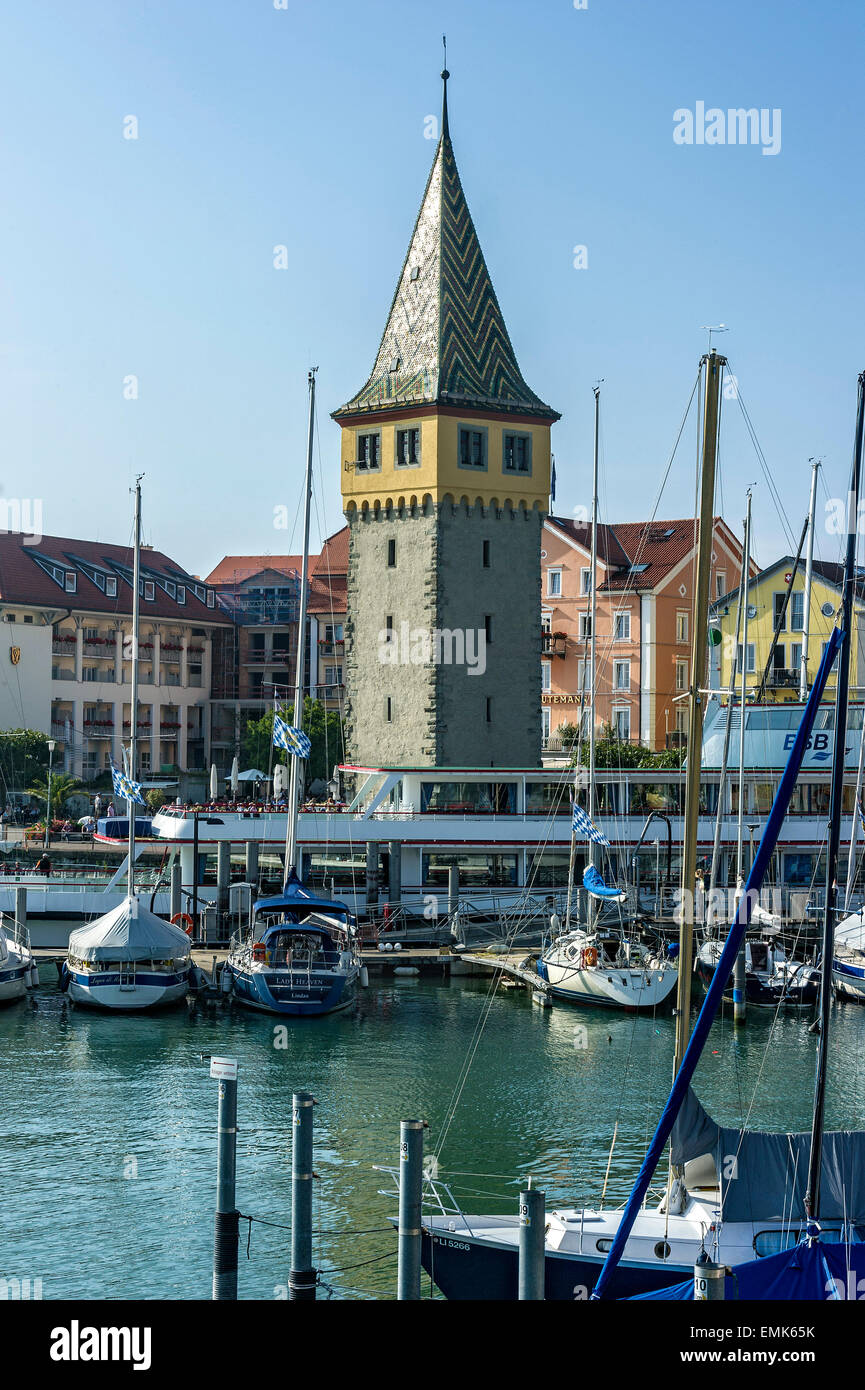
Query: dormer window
[[210, 598], [110, 586], [170, 588], [181, 593], [71, 583], [149, 590]]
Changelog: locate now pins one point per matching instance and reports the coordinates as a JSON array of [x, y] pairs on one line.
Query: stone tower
[[445, 462]]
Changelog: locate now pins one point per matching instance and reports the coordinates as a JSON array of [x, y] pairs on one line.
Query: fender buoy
[[183, 917]]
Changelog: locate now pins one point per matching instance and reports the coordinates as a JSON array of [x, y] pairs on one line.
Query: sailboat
[[736, 1213], [129, 959], [18, 969], [300, 954], [766, 976], [601, 963], [848, 966], [815, 1179]]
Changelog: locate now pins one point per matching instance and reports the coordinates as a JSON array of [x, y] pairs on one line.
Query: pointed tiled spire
[[445, 341]]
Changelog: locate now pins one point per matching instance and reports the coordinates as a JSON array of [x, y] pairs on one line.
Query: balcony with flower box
[[102, 647], [98, 728], [64, 644]]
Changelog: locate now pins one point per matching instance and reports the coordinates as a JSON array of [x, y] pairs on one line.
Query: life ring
[[590, 956], [183, 917]]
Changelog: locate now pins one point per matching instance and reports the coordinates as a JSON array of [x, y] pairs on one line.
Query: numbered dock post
[[739, 987], [225, 1242], [410, 1202], [301, 1275], [709, 1280], [531, 1245], [176, 887]]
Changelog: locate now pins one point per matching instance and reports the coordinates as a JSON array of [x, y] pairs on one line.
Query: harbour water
[[108, 1124]]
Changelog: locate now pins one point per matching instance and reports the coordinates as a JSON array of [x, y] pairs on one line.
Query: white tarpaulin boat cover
[[128, 932], [763, 1176]]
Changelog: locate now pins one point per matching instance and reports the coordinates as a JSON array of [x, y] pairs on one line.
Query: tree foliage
[[23, 758], [323, 727], [614, 752], [63, 785]]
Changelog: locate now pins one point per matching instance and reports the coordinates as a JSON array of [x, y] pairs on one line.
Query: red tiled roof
[[334, 554], [326, 598], [23, 580], [660, 545], [657, 545], [609, 548], [236, 569]]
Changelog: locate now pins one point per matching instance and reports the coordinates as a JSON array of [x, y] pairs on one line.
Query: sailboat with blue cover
[[605, 962], [300, 954]]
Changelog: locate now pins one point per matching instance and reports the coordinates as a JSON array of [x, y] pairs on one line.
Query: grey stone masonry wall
[[438, 583], [406, 593]]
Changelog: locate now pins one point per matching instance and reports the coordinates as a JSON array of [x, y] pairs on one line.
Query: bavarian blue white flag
[[125, 787], [583, 825], [291, 739]]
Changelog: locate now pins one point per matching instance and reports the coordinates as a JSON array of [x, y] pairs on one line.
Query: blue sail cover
[[806, 1274], [763, 1176], [594, 884]]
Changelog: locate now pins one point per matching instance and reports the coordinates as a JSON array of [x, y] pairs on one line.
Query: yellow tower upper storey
[[446, 410]]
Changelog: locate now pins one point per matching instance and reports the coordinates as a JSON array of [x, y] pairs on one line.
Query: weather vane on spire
[[445, 76]]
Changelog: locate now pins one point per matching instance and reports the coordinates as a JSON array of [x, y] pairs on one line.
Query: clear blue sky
[[305, 127]]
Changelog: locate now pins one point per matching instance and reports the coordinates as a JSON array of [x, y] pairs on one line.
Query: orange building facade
[[644, 597]]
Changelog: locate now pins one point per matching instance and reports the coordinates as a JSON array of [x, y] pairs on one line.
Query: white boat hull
[[127, 998]]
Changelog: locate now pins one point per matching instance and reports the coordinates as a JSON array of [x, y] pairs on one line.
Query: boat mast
[[854, 830], [731, 695], [842, 689], [714, 365], [593, 613], [809, 570], [294, 780], [133, 702], [744, 695]]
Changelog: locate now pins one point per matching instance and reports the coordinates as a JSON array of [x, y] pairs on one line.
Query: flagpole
[[133, 712], [294, 780]]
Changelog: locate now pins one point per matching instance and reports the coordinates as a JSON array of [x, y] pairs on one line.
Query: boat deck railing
[[15, 933]]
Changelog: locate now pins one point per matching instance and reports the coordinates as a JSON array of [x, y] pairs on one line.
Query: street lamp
[[48, 815]]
